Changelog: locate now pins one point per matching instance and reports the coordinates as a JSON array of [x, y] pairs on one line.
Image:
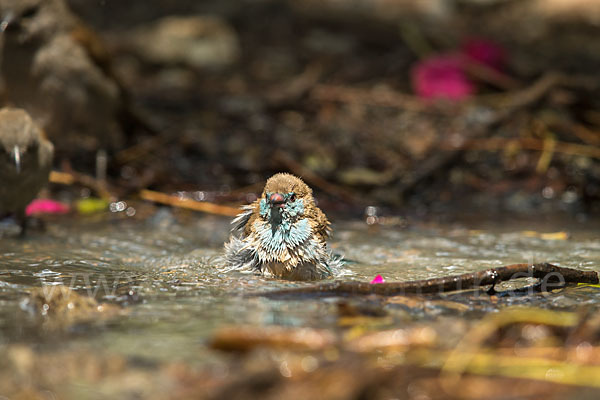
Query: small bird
[[282, 234], [25, 162], [57, 69]]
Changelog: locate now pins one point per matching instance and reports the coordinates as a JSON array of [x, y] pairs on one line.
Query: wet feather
[[285, 239]]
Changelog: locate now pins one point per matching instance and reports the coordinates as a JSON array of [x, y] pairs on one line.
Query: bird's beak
[[276, 199], [8, 18], [16, 153]]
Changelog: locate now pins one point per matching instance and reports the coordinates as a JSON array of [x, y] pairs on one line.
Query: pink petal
[[46, 206], [485, 51], [377, 279], [441, 76]]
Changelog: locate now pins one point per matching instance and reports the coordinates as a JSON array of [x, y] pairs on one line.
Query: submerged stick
[[551, 276]]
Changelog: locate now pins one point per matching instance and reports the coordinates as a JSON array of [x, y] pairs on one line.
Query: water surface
[[164, 271]]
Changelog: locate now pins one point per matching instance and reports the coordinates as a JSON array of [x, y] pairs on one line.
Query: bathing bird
[[282, 234], [59, 70], [25, 162]]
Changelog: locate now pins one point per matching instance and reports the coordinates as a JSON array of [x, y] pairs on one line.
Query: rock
[[58, 307], [195, 41]]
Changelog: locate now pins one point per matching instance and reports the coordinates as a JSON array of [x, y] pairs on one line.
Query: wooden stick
[[553, 276], [70, 178], [189, 204], [62, 178]]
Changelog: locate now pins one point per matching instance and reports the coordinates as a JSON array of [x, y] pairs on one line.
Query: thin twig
[[523, 97], [176, 201], [296, 86], [70, 178], [141, 149], [495, 144], [490, 75]]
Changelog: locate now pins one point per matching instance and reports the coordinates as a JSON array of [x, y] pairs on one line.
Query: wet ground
[[169, 294]]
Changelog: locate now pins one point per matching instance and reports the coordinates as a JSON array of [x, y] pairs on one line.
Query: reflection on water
[[166, 275]]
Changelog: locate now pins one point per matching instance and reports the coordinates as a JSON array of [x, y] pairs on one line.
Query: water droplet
[[199, 195], [284, 369], [371, 211], [548, 192], [117, 206], [569, 197], [309, 363]]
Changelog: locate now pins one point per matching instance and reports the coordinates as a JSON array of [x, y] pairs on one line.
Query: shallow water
[[164, 272]]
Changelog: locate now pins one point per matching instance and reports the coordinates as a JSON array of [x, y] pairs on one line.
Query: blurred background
[[429, 106]]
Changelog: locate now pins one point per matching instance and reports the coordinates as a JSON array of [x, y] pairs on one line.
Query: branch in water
[[551, 277]]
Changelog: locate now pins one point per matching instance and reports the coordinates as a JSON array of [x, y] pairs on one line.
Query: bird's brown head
[[22, 142], [285, 197], [15, 13], [29, 19]]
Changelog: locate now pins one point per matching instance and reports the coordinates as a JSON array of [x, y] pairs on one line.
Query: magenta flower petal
[[46, 206], [486, 52], [441, 76], [377, 279]]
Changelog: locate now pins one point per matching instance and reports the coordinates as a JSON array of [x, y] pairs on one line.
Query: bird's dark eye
[[29, 12], [293, 197]]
